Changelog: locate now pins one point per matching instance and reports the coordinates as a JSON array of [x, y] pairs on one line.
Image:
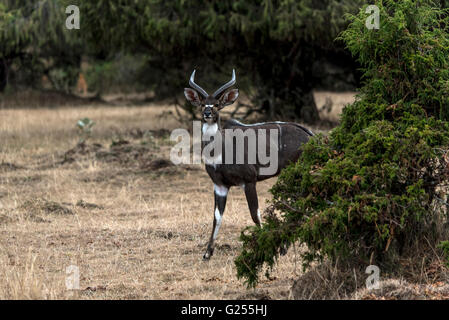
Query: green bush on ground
[[373, 190]]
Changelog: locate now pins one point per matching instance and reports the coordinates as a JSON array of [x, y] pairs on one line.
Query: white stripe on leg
[[217, 223], [221, 191]]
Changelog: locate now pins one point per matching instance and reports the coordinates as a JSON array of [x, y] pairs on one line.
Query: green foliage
[[444, 246], [34, 41], [275, 46], [84, 126], [123, 73], [371, 191], [272, 44]]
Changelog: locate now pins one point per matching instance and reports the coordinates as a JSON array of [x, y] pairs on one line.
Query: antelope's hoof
[[283, 250], [207, 255]]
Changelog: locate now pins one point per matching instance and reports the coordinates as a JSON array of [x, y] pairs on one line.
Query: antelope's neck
[[208, 131], [211, 129]]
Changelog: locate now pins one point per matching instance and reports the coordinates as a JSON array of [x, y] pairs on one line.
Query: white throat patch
[[209, 129]]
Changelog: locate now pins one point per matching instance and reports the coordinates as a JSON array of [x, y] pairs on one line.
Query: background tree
[[279, 47], [272, 44], [34, 42]]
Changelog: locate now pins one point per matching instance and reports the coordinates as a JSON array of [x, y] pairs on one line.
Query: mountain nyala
[[240, 157]]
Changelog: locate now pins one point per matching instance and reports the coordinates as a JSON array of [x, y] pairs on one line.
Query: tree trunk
[[308, 111], [3, 75]]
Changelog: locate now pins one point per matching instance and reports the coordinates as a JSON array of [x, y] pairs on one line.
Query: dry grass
[[400, 289], [135, 225], [134, 231], [327, 281], [330, 104]]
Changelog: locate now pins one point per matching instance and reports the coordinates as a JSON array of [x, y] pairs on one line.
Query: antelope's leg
[[220, 195], [253, 203]]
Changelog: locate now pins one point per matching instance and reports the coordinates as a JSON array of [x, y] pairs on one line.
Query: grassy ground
[[134, 225]]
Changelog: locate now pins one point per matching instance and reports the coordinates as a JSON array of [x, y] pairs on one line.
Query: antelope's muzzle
[[207, 114]]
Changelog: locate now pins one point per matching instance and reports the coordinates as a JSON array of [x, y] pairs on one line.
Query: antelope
[[290, 136]]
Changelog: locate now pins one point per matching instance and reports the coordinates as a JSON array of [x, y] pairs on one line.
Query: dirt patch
[[226, 247], [81, 150], [35, 207], [101, 176], [25, 179], [137, 133], [157, 164], [86, 205], [124, 152], [4, 219], [132, 152], [168, 235], [95, 288], [330, 282], [394, 289], [263, 295], [326, 282], [7, 166]]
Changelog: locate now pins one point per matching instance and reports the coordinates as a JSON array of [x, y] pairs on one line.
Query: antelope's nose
[[207, 113]]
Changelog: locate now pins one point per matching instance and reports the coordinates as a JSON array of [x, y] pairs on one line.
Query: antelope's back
[[293, 136], [290, 138]]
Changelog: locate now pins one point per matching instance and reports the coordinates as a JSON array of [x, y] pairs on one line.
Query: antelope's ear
[[192, 96], [229, 98]]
